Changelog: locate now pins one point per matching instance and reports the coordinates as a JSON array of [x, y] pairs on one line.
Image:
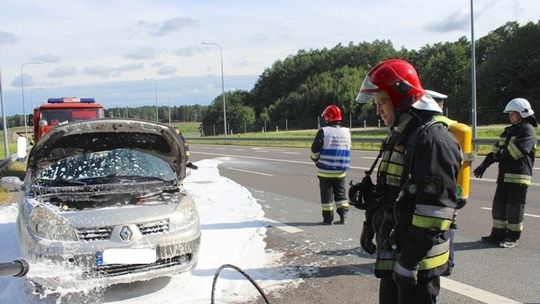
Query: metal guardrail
[[231, 139]]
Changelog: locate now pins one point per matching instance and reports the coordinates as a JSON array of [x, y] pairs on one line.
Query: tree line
[[302, 85]]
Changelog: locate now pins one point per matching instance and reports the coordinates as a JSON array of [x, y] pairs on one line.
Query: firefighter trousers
[[509, 208]]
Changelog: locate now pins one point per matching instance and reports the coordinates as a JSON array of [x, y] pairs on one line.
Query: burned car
[[104, 198]]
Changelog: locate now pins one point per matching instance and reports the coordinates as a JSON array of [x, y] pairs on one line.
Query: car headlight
[[185, 215], [45, 224]]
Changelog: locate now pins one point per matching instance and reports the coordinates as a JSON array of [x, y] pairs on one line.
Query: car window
[[110, 163]]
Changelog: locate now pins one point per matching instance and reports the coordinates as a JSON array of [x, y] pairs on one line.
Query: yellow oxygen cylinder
[[463, 135]]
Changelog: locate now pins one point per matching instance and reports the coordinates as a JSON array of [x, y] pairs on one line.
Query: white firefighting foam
[[233, 232]]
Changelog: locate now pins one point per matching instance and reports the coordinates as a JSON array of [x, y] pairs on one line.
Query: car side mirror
[[11, 183]]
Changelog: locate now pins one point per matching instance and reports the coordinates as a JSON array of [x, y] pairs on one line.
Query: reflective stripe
[[517, 178], [393, 180], [434, 211], [405, 272], [385, 264], [513, 149], [436, 256], [385, 260], [430, 222], [314, 156], [331, 174], [395, 169], [383, 166], [499, 224], [515, 227], [327, 206], [342, 204], [432, 262]]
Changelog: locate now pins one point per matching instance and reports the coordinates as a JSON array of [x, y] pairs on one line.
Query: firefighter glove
[[366, 239], [479, 171], [405, 275]]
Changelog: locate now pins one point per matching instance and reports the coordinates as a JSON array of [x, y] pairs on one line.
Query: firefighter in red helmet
[[414, 199], [331, 152]]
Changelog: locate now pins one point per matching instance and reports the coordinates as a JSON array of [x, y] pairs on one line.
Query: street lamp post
[[31, 96], [473, 77], [155, 86], [22, 92], [222, 86]]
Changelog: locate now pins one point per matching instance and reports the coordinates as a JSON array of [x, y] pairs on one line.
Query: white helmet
[[520, 105]]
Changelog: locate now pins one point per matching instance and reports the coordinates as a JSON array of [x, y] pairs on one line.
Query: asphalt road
[[336, 270]]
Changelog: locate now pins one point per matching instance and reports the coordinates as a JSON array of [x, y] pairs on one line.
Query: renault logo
[[125, 233]]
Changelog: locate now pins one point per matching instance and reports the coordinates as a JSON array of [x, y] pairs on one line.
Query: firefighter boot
[[511, 239], [328, 217], [496, 237], [342, 215]]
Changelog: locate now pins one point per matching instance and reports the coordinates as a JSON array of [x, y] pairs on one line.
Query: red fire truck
[[63, 110]]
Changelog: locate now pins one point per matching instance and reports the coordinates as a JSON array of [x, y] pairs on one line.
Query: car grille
[[104, 233], [117, 270], [154, 227], [94, 234]]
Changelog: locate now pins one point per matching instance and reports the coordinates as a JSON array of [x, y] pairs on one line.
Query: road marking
[[368, 157], [281, 226], [494, 180], [239, 149], [268, 159], [252, 172], [475, 293], [295, 153], [526, 214]]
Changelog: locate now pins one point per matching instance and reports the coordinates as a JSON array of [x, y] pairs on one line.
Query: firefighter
[[415, 196], [331, 152], [463, 135], [515, 152]]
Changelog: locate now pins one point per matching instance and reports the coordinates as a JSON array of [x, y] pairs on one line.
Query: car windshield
[[111, 166]]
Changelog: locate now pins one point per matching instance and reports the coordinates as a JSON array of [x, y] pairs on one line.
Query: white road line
[[281, 226], [494, 180], [295, 153], [526, 214], [268, 159], [368, 157], [475, 293], [239, 149], [252, 172]]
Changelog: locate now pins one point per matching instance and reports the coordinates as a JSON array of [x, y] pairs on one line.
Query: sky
[[233, 232], [123, 52]]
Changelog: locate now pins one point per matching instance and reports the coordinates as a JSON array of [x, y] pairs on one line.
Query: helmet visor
[[367, 90]]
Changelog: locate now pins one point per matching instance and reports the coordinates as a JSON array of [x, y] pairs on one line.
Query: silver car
[[104, 198]]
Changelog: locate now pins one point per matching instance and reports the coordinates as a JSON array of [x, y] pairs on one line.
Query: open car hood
[[106, 134]]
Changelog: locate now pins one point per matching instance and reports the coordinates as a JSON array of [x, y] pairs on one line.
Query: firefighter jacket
[[417, 181], [331, 151], [515, 152]]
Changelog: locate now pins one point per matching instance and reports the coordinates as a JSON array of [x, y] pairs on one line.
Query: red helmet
[[332, 113], [395, 77]]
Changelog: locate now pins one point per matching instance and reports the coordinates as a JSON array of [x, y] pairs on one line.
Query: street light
[[31, 96], [473, 77], [222, 86], [22, 91], [155, 85]]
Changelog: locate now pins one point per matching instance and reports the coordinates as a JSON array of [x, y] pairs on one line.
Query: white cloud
[[28, 81], [7, 38], [142, 53], [47, 58], [168, 26], [100, 71], [190, 51], [167, 70], [63, 71]]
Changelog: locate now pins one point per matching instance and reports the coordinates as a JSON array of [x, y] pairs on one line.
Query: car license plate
[[125, 256]]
